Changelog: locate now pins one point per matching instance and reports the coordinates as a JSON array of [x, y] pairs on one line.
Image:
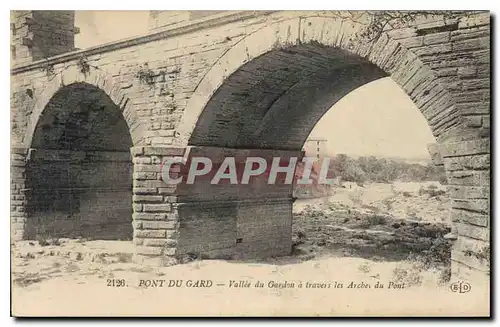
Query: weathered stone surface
[[475, 232], [158, 225], [150, 233], [475, 20], [435, 155], [473, 121], [142, 160], [472, 218], [158, 243], [479, 162], [166, 207], [469, 178], [476, 205], [469, 192], [167, 190], [145, 190], [137, 151], [149, 216], [474, 108], [147, 198], [470, 260], [147, 168], [148, 183], [164, 151], [149, 250], [145, 175], [479, 146], [244, 86]]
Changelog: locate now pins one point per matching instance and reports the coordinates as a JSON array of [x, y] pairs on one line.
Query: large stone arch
[[314, 32], [215, 118]]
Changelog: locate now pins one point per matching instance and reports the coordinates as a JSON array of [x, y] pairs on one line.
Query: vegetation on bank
[[383, 170]]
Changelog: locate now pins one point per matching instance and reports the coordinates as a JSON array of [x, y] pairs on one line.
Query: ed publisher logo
[[460, 287]]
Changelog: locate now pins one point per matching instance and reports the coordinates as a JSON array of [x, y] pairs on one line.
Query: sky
[[98, 27], [375, 119]]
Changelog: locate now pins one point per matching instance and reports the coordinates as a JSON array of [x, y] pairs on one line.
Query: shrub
[[432, 192], [42, 240], [382, 170]]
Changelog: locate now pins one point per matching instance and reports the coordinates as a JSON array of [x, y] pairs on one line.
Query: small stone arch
[[389, 55], [95, 78], [79, 168]]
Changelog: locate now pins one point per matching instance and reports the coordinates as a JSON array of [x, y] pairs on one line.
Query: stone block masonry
[[156, 214], [244, 81], [19, 195], [467, 165], [39, 35], [204, 220], [236, 229]]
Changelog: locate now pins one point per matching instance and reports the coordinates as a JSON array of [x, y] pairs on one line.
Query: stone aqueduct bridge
[[91, 127]]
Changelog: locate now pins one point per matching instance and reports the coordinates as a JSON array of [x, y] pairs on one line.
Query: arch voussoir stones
[[404, 66], [96, 79]]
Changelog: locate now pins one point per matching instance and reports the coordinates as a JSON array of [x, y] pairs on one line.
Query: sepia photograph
[[239, 163]]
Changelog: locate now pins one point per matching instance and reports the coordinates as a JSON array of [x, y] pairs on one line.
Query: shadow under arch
[[266, 76], [80, 168], [274, 101]]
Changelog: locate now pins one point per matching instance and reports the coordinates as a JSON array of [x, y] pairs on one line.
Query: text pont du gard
[[179, 283]]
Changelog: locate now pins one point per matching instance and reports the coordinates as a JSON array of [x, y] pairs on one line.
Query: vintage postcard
[[250, 163]]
